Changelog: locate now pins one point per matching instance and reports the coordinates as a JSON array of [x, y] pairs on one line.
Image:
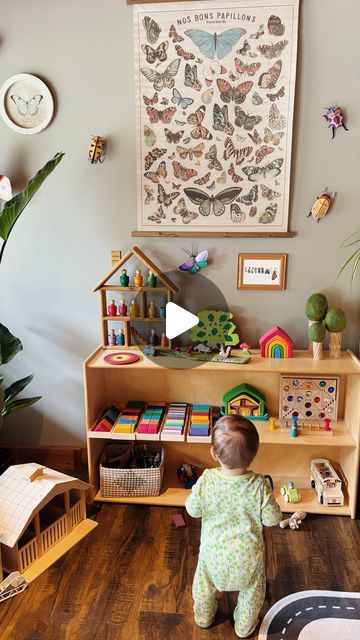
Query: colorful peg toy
[[153, 338], [134, 309], [112, 308], [120, 338], [272, 424], [294, 427], [112, 337], [152, 310], [151, 280], [164, 340], [122, 308], [124, 278], [327, 422], [138, 279], [335, 117]]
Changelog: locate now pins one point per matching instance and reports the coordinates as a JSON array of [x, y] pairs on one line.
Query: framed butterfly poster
[[215, 85]]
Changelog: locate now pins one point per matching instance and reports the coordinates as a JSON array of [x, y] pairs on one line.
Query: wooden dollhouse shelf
[[134, 320], [116, 287]]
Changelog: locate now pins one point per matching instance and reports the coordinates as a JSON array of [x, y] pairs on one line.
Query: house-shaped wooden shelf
[[42, 515], [276, 343], [164, 286], [245, 400]]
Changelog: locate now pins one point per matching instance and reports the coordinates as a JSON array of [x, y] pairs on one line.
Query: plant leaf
[[15, 405], [15, 388], [9, 345], [347, 262], [354, 270]]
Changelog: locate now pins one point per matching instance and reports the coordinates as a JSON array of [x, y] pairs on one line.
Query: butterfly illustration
[[207, 96], [187, 140], [262, 153], [252, 54], [255, 137], [173, 136], [27, 107], [251, 197], [244, 49], [269, 79], [271, 170], [173, 34], [199, 131], [275, 26], [232, 76], [250, 69], [256, 99], [183, 173], [191, 79], [244, 120], [196, 262], [253, 212], [258, 33], [236, 214], [191, 152], [215, 45], [151, 101], [180, 123], [272, 138], [212, 204], [212, 185], [153, 155], [269, 193], [164, 79], [181, 210], [211, 155], [229, 93], [233, 175], [231, 152], [221, 119], [152, 29], [149, 136], [176, 186], [268, 216], [149, 194], [152, 55], [184, 54], [158, 216], [166, 198], [276, 96], [184, 103], [156, 115], [204, 179], [276, 119], [222, 178], [160, 172], [272, 50]]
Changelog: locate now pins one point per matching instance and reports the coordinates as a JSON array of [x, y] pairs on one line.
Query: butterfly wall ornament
[[204, 179], [159, 174], [181, 210], [191, 77], [221, 119], [248, 69], [242, 119], [149, 102], [212, 204], [164, 79], [166, 198], [173, 34], [173, 136], [273, 50], [276, 119], [236, 94], [272, 138], [158, 115], [269, 79], [177, 99], [250, 197], [195, 119], [230, 151], [155, 55], [271, 170], [214, 162], [188, 153], [236, 214], [268, 216], [276, 96], [261, 153], [152, 29], [215, 45], [275, 26], [158, 216], [235, 177], [268, 193], [196, 261], [27, 107], [153, 155], [184, 54], [183, 173]]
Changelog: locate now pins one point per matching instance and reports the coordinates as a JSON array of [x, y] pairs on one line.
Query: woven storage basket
[[130, 483]]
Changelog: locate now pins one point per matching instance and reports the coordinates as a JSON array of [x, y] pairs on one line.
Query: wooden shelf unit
[[280, 455]]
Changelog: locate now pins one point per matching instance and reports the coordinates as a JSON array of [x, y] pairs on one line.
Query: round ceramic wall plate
[[26, 104]]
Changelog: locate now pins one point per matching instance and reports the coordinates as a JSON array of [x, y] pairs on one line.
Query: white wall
[[61, 246]]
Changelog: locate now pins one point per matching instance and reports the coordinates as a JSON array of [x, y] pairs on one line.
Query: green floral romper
[[231, 557]]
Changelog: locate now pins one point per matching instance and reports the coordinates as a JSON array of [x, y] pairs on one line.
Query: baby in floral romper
[[234, 504]]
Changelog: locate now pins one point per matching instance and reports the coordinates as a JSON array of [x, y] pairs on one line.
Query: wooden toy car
[[326, 482], [290, 493]]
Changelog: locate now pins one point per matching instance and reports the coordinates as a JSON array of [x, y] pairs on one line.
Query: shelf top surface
[[301, 363]]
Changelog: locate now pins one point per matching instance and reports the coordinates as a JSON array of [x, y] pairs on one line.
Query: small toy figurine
[[196, 262], [151, 280], [294, 521], [327, 424], [154, 338], [124, 278], [294, 427], [162, 312], [97, 150], [321, 205], [112, 308], [120, 338], [187, 475], [335, 117], [290, 493], [272, 424], [112, 337], [134, 309], [152, 310], [138, 279], [225, 353], [122, 308], [164, 340], [245, 349]]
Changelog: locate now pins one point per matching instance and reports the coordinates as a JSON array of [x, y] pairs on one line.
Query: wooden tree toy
[[124, 278], [215, 327], [335, 323], [151, 280], [138, 279], [112, 308], [316, 333], [316, 310]]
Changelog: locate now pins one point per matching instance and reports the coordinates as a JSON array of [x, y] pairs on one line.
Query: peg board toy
[[308, 398]]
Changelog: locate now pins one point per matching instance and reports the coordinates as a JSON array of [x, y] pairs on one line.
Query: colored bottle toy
[[294, 427], [134, 309], [138, 279], [164, 340], [120, 338], [152, 310], [162, 312], [151, 280], [112, 308], [122, 308], [124, 278], [112, 337], [154, 338]]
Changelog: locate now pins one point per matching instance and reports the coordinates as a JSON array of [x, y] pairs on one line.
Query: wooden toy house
[[42, 515], [246, 401], [276, 343], [164, 286]]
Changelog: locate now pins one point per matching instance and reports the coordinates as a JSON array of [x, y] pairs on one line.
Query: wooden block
[[179, 520]]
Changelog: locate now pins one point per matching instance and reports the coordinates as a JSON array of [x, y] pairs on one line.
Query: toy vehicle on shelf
[[326, 482], [290, 493]]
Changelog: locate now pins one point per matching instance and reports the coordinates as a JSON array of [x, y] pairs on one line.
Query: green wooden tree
[[215, 327]]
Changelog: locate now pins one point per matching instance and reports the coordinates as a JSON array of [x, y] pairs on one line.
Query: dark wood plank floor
[[131, 578]]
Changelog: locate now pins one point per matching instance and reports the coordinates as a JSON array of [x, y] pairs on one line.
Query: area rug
[[313, 615]]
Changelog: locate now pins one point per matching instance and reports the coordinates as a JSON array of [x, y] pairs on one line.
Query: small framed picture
[[261, 271]]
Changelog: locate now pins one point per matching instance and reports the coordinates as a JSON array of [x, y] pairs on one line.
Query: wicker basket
[[130, 483]]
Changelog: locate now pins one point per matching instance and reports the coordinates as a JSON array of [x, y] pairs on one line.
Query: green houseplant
[[352, 241]]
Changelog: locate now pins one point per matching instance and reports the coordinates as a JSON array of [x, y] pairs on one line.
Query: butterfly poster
[[215, 86]]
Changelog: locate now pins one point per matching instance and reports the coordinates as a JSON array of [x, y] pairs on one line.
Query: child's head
[[235, 442]]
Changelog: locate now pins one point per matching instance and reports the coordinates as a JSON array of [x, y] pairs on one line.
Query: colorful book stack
[[174, 422], [107, 420], [129, 418], [200, 420], [151, 419]]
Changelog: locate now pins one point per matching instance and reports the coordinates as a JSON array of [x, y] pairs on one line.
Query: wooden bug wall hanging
[[215, 94]]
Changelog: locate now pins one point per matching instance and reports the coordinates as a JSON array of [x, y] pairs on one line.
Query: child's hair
[[235, 441]]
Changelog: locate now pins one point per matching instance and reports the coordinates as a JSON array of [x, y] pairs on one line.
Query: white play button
[[178, 320]]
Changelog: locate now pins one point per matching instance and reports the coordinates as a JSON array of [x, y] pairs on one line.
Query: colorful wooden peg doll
[[154, 338], [294, 427], [120, 338], [151, 280], [124, 278], [138, 279], [112, 308], [152, 310], [134, 309], [164, 340], [112, 337], [162, 312], [327, 424], [122, 308], [272, 424]]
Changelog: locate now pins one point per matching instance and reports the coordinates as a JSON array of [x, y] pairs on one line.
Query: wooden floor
[[130, 579]]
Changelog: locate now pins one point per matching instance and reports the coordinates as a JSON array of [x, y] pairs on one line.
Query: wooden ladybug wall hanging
[[335, 117]]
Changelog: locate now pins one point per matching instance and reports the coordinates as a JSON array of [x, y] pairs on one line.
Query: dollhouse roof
[[135, 251], [245, 389], [21, 498], [274, 332]]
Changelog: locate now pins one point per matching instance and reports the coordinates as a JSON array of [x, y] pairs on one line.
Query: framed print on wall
[[262, 271]]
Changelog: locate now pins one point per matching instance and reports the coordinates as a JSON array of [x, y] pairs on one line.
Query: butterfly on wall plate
[[158, 216], [272, 50], [211, 155], [269, 79], [276, 96], [153, 155], [187, 55], [236, 214], [152, 29], [212, 203], [183, 173], [243, 119], [156, 176], [244, 49], [276, 119], [249, 69], [221, 119], [191, 152], [149, 102], [230, 151], [233, 175], [173, 34], [268, 193], [215, 45], [261, 153], [177, 99], [149, 136], [229, 93], [196, 261], [166, 198], [204, 179], [272, 138], [158, 115], [181, 210], [173, 136], [27, 107], [199, 131], [222, 178], [268, 216], [255, 137], [149, 194], [191, 77], [271, 170], [207, 96], [260, 32], [164, 78], [250, 197], [154, 55]]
